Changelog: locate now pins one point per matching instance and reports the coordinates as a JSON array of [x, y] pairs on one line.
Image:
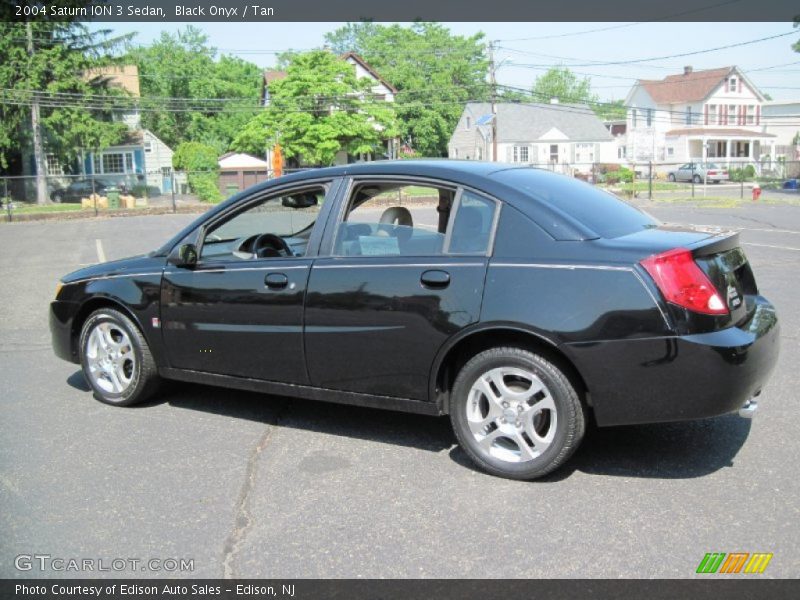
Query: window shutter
[[741, 115], [508, 154], [726, 85], [740, 85], [706, 114], [758, 114]]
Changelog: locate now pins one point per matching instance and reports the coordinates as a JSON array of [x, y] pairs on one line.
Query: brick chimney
[[687, 70]]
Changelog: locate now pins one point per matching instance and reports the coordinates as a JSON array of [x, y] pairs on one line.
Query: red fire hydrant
[[756, 192]]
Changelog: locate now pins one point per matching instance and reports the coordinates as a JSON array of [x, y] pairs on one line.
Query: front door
[[239, 311], [405, 271]]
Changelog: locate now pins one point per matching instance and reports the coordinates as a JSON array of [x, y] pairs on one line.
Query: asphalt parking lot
[[259, 486]]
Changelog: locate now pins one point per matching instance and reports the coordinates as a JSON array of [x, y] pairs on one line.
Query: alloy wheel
[[512, 414]]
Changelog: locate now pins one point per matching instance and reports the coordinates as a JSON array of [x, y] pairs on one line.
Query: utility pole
[[38, 151], [493, 82]]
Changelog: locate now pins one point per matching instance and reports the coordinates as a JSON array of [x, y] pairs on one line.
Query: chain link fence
[[165, 190]]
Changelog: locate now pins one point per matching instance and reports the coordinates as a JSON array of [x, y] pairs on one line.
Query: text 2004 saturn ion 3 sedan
[[517, 301]]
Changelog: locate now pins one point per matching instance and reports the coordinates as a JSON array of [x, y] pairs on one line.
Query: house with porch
[[711, 115], [567, 138]]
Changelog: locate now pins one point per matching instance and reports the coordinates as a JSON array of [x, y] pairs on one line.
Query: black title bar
[[244, 11]]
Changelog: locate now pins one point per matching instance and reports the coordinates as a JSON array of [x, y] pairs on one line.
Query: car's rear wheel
[[116, 359], [698, 179], [671, 177], [58, 197], [515, 413]]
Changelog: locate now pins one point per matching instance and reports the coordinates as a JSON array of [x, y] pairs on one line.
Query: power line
[[621, 26], [669, 56]]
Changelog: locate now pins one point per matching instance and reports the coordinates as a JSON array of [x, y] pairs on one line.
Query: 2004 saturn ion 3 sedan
[[514, 300]]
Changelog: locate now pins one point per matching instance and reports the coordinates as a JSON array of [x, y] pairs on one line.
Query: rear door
[[404, 271]]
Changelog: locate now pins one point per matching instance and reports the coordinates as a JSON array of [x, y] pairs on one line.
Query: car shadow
[[402, 429], [659, 451]]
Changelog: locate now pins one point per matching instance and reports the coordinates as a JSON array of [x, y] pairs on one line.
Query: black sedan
[[518, 302]]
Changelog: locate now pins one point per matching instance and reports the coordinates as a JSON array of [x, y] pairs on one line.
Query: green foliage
[[62, 54], [561, 83], [435, 72], [205, 185], [320, 108], [183, 65], [195, 156], [746, 173], [200, 162], [611, 111]]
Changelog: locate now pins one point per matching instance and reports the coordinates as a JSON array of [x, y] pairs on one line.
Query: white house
[[562, 137], [714, 114]]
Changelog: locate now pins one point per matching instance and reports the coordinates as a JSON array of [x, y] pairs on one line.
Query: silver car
[[699, 172]]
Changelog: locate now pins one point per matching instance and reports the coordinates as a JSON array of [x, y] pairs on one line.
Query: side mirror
[[184, 256], [300, 201]]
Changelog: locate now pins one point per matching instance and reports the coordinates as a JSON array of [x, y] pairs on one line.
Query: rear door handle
[[435, 279], [276, 281]]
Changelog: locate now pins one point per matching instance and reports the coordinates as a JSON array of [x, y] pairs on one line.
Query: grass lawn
[[20, 208]]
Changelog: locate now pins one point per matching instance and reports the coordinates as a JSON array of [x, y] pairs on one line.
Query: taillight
[[712, 172], [683, 283]]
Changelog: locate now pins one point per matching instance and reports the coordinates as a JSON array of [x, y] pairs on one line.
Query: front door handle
[[276, 281], [435, 279]]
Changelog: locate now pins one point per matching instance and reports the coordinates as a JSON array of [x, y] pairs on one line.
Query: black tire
[[144, 379], [570, 422], [58, 197], [698, 179], [671, 177]]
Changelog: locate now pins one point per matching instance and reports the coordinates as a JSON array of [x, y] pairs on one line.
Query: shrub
[[200, 162]]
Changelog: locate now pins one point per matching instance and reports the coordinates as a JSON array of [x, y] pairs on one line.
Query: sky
[[771, 65]]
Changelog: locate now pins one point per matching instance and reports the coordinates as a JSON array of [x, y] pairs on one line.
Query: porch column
[[704, 153], [752, 149], [728, 152]]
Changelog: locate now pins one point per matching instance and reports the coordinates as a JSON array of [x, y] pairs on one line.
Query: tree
[[49, 100], [563, 84], [614, 110], [200, 163], [320, 108], [435, 72], [184, 66]]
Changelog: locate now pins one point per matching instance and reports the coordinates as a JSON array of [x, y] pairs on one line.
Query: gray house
[[563, 137]]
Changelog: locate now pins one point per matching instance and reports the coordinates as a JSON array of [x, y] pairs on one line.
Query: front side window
[[402, 219], [277, 226]]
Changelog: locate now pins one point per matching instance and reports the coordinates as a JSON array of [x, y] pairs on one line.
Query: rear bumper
[[680, 378], [61, 314]]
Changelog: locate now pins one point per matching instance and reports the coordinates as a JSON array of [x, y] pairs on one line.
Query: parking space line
[[101, 256], [772, 246]]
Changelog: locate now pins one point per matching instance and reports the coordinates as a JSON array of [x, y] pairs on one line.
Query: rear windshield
[[599, 211]]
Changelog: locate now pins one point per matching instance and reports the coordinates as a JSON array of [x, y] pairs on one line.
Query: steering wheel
[[269, 241]]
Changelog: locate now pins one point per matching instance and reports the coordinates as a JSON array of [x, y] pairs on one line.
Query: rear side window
[[404, 219], [472, 226], [602, 212]]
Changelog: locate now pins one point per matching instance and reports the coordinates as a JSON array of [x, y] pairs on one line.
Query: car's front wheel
[[116, 359], [58, 197], [515, 413], [671, 177]]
